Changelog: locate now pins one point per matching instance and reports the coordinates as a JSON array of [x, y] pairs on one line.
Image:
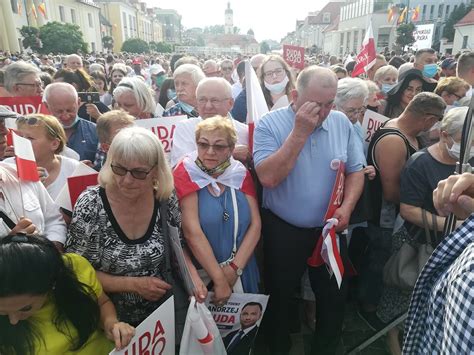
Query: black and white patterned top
[[95, 234], [441, 314]]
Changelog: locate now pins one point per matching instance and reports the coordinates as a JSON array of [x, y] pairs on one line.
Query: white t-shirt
[[184, 139], [68, 166]]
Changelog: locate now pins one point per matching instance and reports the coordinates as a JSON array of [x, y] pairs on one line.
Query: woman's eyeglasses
[[219, 148], [277, 72], [136, 173], [33, 121]]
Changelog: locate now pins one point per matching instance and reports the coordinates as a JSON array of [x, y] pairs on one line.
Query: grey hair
[[136, 144], [60, 86], [73, 56], [373, 87], [224, 84], [350, 88], [96, 67], [16, 72], [385, 70], [196, 73], [142, 93], [453, 120], [326, 78]]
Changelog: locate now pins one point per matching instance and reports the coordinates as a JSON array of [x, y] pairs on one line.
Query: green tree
[[161, 47], [64, 38], [108, 42], [264, 48], [455, 16], [30, 37], [405, 35], [135, 45]]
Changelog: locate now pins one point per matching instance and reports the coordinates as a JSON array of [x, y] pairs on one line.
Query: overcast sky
[[268, 19]]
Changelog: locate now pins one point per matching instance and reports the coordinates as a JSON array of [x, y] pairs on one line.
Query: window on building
[[464, 42], [455, 7], [327, 17], [447, 12], [14, 5], [341, 40], [62, 17], [125, 28], [356, 41], [73, 16], [423, 14], [432, 12], [440, 11], [93, 46], [89, 17]]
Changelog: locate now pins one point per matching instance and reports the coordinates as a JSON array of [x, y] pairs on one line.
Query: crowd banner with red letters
[[163, 127], [25, 105], [294, 56], [227, 316], [81, 178], [155, 335], [371, 123]]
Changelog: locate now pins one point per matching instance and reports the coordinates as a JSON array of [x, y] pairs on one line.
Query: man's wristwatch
[[237, 269]]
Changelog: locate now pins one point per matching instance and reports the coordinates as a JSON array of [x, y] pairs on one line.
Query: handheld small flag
[[25, 159]]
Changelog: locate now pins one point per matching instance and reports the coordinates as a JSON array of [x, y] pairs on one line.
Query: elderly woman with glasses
[[48, 139], [221, 222], [276, 81], [135, 97], [120, 226]]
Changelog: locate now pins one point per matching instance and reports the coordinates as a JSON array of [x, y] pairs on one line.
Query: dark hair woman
[[53, 303]]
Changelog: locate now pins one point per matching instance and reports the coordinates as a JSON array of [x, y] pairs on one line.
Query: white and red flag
[[367, 55], [188, 177], [256, 104], [25, 159]]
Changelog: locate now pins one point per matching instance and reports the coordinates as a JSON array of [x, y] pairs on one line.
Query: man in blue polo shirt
[[63, 103], [294, 153]]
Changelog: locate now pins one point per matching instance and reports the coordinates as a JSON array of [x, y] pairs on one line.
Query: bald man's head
[[73, 62], [63, 103]]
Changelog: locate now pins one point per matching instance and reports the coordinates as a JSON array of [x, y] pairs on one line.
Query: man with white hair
[[211, 68], [63, 102], [186, 79], [73, 62], [23, 79], [214, 97]]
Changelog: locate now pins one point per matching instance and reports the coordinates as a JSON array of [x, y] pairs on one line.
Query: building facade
[[171, 22], [464, 34]]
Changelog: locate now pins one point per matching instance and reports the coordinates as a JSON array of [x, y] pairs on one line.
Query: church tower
[[229, 20]]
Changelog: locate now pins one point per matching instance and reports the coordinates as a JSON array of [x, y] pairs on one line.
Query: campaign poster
[[238, 320], [371, 123], [163, 127], [25, 105], [294, 56], [155, 335], [423, 35]]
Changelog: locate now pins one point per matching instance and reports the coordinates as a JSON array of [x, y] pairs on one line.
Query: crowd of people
[[248, 206]]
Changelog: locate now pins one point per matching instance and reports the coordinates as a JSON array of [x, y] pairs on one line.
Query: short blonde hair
[[112, 118], [450, 85], [50, 125], [139, 144], [385, 70], [218, 123]]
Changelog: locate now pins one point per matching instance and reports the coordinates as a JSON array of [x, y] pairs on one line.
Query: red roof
[[466, 20]]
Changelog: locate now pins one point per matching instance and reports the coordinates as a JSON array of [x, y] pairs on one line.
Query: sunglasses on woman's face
[[33, 121], [136, 173]]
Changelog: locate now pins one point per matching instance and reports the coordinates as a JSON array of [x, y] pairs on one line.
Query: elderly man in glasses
[[23, 79], [214, 97]]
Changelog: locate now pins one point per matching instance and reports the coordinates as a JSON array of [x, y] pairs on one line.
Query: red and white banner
[[25, 105], [82, 177], [327, 248], [294, 56], [155, 335], [367, 55], [256, 104], [25, 159], [163, 127], [371, 123]]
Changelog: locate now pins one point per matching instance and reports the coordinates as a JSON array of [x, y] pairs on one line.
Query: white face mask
[[277, 88], [455, 150]]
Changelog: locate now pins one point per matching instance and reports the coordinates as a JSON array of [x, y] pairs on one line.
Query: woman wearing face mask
[[276, 81], [452, 89], [419, 178], [386, 78]]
